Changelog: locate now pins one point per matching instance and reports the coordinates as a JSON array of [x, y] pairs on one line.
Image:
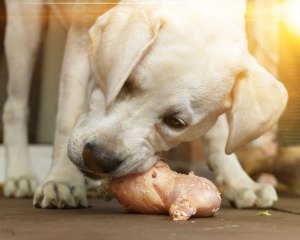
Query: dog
[[136, 80]]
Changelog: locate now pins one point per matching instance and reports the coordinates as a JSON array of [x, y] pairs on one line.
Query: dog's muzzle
[[100, 160]]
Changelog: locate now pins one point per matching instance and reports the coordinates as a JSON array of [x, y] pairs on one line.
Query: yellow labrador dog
[[136, 80]]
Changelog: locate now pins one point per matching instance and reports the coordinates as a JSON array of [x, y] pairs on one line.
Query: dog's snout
[[100, 160]]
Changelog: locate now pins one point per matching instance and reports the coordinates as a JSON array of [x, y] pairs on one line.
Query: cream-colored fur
[[137, 65]]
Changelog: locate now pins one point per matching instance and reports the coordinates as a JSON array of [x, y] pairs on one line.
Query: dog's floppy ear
[[258, 101], [118, 41]]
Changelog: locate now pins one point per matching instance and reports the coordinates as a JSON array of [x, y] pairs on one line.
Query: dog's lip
[[116, 174], [97, 176], [91, 175], [133, 169]]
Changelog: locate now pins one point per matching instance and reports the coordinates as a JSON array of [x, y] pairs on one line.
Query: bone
[[161, 190]]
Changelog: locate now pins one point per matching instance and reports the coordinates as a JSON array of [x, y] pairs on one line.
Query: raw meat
[[161, 190]]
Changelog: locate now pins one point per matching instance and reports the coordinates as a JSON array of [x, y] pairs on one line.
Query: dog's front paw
[[20, 187], [54, 194], [256, 195]]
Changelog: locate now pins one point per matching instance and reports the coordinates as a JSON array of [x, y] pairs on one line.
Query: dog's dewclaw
[[161, 190]]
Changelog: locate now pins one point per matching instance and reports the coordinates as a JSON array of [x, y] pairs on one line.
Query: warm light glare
[[292, 15]]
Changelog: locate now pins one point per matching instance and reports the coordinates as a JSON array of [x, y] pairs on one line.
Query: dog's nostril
[[99, 160]]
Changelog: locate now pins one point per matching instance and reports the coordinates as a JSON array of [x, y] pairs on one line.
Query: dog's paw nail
[[20, 187], [59, 195], [266, 196], [258, 195]]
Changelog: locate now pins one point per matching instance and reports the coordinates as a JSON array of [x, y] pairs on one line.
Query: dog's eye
[[174, 122]]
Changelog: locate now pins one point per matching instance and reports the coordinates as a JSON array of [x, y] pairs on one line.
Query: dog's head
[[163, 74]]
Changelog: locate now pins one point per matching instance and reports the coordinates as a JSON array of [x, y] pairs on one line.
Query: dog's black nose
[[100, 160]]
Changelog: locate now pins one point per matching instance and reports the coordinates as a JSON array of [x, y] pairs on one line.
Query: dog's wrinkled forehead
[[178, 64], [166, 42]]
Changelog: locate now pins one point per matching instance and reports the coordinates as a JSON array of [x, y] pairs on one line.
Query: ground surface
[[18, 220]]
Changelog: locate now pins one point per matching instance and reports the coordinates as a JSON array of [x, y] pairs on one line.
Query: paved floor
[[18, 220]]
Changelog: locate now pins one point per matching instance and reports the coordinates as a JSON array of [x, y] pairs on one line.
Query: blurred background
[[273, 28]]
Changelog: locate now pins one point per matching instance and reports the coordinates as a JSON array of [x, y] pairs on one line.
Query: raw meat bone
[[161, 190]]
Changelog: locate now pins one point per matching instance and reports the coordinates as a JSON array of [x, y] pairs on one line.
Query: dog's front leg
[[22, 41], [64, 186], [238, 187]]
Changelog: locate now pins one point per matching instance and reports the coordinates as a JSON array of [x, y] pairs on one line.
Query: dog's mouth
[[91, 175], [97, 176], [136, 168]]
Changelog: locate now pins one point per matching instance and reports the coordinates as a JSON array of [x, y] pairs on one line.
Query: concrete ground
[[18, 220]]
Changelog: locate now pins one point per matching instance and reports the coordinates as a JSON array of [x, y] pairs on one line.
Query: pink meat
[[161, 190]]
